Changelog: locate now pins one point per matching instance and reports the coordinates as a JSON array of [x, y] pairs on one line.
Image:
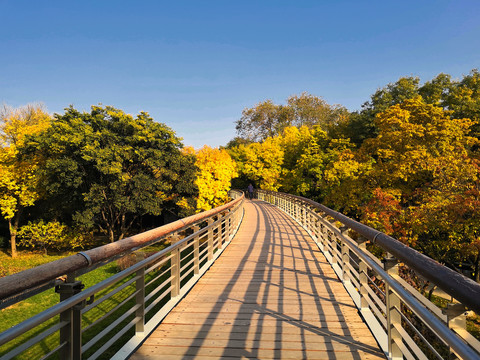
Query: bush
[[49, 235]]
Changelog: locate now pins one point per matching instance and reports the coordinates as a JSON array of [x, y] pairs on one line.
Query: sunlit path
[[270, 295]]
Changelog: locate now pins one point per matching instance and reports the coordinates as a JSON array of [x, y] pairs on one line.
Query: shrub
[[49, 235]]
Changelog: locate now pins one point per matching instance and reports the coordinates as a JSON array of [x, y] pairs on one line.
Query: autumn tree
[[18, 176], [215, 172], [422, 169], [299, 149], [260, 163], [107, 169]]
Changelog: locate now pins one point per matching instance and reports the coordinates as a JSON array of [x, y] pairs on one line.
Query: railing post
[[393, 308], [303, 215], [226, 221], [363, 276], [210, 240], [456, 319], [229, 225], [313, 221], [175, 272], [71, 334], [316, 229], [196, 251], [324, 234], [345, 256], [140, 300]]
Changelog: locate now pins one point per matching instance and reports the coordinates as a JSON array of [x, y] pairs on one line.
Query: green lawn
[[34, 305], [25, 260]]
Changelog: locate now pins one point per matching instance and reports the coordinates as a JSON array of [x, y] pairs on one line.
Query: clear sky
[[194, 65]]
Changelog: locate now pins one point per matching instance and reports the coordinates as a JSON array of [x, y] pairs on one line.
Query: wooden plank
[[270, 295], [285, 328]]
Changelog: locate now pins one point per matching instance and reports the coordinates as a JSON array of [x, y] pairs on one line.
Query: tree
[[464, 100], [437, 90], [295, 143], [263, 120], [106, 169], [260, 163], [215, 172], [311, 110], [267, 119], [360, 125], [425, 183], [18, 177]]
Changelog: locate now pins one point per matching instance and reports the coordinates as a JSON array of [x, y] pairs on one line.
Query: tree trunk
[[13, 227], [13, 237], [111, 234], [477, 269]]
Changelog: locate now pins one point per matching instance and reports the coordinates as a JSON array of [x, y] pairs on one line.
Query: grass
[[28, 308], [25, 260], [473, 325]]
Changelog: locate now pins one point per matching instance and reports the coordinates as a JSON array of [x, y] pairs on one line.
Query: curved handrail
[[27, 279], [453, 283]]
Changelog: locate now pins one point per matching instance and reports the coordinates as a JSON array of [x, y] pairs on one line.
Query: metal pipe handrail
[[453, 283], [17, 283]]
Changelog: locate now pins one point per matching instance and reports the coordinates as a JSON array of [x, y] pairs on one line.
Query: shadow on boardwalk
[[271, 295]]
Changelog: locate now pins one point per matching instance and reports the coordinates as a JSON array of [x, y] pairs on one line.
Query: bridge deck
[[270, 295]]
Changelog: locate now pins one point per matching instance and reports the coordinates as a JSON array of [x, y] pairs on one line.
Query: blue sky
[[194, 65]]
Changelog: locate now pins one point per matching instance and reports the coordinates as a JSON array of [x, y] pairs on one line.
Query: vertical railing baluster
[[456, 319], [210, 239], [196, 250], [316, 229], [303, 215], [345, 262], [175, 271], [229, 225], [324, 234], [363, 276], [140, 300], [393, 308]]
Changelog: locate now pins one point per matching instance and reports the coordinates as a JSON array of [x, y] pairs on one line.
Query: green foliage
[[106, 169], [267, 119]]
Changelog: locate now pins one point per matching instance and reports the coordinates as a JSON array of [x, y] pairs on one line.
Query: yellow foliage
[[215, 171], [262, 163], [18, 178]]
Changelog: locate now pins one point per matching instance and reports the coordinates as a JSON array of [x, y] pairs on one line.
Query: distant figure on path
[[250, 191]]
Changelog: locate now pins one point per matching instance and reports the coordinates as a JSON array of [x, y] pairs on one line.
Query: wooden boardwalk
[[271, 295]]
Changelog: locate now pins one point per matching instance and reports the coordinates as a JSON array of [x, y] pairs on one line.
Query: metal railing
[[405, 323], [123, 309]]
